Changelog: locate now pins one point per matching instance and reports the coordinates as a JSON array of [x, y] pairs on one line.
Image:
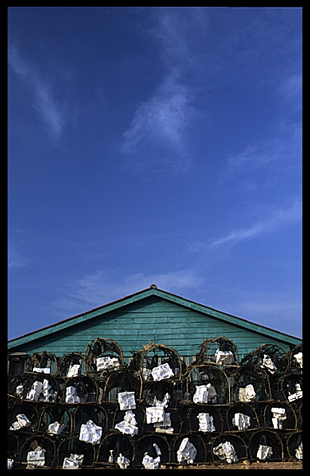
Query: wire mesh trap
[[269, 356], [157, 362], [218, 350], [74, 446], [250, 383], [288, 387], [38, 451], [125, 380], [111, 446], [265, 445], [82, 389], [55, 420], [42, 362], [236, 450], [31, 413], [280, 416], [98, 412], [71, 365], [145, 444], [200, 450], [210, 376], [84, 413], [295, 446], [240, 417], [205, 419], [102, 356]]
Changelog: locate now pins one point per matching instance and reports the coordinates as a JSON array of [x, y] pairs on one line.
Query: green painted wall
[[151, 319]]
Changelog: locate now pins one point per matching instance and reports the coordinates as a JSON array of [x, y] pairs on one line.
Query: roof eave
[[143, 294]]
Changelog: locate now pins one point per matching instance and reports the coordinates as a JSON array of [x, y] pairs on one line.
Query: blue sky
[[154, 145]]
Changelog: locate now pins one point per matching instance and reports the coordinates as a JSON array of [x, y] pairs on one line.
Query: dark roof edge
[[241, 319], [78, 315], [173, 297]]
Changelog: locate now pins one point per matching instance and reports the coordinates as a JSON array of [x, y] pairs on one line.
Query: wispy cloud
[[279, 309], [277, 218], [291, 87], [264, 166], [159, 125], [14, 258], [99, 288], [44, 101], [182, 33], [157, 136], [284, 149]]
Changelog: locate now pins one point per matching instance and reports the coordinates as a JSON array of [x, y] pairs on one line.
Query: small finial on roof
[[153, 286]]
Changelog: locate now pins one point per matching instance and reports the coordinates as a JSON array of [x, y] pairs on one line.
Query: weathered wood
[[151, 316]]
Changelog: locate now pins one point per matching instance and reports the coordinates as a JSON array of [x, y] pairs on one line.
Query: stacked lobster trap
[[94, 410]]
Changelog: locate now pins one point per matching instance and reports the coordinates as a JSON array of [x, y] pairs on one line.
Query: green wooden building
[[150, 315]]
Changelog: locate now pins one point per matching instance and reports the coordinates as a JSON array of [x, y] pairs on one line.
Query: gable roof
[[140, 296]]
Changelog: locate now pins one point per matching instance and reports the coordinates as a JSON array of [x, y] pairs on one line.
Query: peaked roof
[[140, 296]]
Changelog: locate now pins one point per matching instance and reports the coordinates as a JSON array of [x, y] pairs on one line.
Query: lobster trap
[[196, 440], [195, 421], [74, 446], [294, 359], [219, 350], [241, 416], [51, 416], [159, 357], [40, 387], [111, 446], [84, 413], [294, 446], [31, 413], [94, 411], [38, 451], [269, 356], [139, 415], [42, 362], [103, 356], [210, 376], [15, 387], [157, 390], [145, 445], [288, 387], [82, 389], [125, 380], [250, 383], [237, 449], [280, 416], [71, 365], [260, 440], [170, 421]]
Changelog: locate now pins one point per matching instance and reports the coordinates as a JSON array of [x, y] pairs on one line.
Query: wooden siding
[[152, 319]]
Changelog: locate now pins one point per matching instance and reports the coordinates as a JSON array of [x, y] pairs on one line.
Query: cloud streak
[[157, 135], [14, 258], [181, 33], [277, 219], [284, 150], [44, 100], [159, 125], [99, 288]]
